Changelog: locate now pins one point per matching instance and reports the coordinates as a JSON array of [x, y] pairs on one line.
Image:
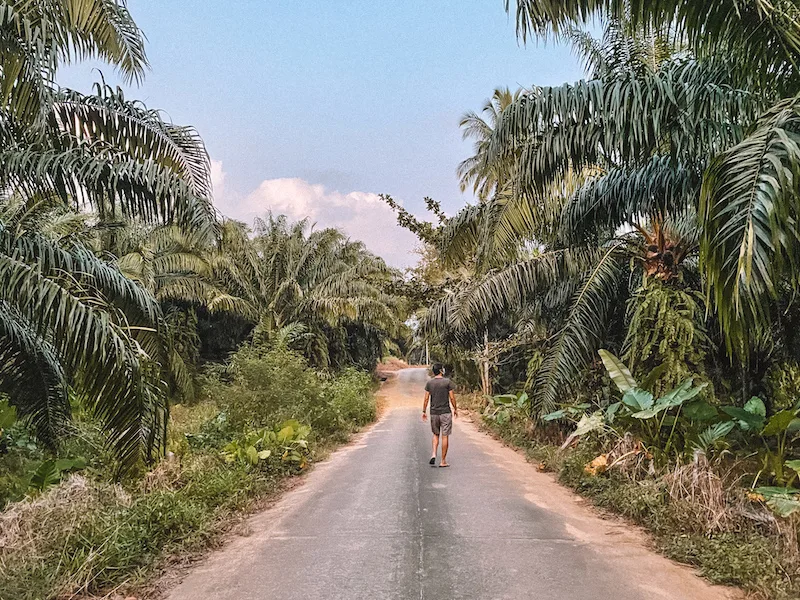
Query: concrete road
[[377, 522]]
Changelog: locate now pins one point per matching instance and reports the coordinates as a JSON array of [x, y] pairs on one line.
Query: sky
[[312, 108]]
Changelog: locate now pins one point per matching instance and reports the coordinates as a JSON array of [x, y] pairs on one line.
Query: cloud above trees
[[360, 215]]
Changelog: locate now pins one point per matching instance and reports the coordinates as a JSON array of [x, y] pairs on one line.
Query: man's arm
[[453, 402], [425, 405]]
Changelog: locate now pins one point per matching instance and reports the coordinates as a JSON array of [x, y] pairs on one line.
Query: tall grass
[[698, 513], [89, 535]]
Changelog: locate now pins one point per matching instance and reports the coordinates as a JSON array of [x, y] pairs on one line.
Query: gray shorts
[[442, 424]]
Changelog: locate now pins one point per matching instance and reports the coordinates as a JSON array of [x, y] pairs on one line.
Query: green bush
[[276, 385], [89, 536], [351, 398], [268, 387]]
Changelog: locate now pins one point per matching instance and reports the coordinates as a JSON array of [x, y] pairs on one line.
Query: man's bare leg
[[445, 444], [435, 446]]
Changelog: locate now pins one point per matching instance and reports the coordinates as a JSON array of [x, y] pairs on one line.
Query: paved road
[[377, 522]]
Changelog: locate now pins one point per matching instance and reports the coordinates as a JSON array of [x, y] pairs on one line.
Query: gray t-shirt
[[439, 388]]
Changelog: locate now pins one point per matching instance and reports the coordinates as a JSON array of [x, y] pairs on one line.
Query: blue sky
[[313, 107]]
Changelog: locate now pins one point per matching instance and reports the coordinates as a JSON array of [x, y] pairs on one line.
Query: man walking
[[439, 391]]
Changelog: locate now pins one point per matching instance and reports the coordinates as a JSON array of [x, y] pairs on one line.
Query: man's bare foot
[[444, 465]]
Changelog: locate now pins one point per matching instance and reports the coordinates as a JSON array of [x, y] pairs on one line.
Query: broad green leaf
[[522, 400], [285, 434], [638, 399], [699, 410], [611, 411], [756, 406], [746, 420], [264, 454], [589, 423], [618, 372], [681, 394], [558, 414], [794, 465], [45, 475], [252, 455], [784, 506], [782, 501], [651, 412], [779, 422]]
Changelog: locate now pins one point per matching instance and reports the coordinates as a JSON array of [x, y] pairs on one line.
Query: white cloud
[[218, 178], [360, 215]]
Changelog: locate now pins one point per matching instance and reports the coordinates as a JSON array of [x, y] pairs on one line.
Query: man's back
[[439, 389]]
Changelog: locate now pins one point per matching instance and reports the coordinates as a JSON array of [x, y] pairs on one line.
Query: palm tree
[[740, 94], [315, 283], [66, 312], [598, 187], [180, 269], [486, 177], [69, 318]]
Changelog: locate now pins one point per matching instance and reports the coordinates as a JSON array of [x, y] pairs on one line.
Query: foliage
[[745, 553], [667, 424], [313, 286], [666, 330], [68, 317], [287, 441], [272, 385], [505, 407], [86, 536], [50, 472]]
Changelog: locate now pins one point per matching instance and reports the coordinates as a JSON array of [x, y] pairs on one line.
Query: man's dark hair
[[437, 368]]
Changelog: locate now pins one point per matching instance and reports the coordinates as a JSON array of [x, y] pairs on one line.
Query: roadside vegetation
[[624, 291], [261, 417]]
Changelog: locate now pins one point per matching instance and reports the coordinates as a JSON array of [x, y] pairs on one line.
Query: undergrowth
[[90, 535], [728, 541]]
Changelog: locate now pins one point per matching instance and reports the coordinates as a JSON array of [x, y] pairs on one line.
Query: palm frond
[[749, 211], [583, 331]]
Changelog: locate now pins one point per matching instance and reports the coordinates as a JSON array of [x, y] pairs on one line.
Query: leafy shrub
[[286, 445], [276, 385], [88, 536], [351, 398], [745, 552], [269, 386]]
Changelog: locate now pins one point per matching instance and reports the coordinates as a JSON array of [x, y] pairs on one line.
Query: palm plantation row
[[627, 281], [650, 208], [628, 276], [112, 251]]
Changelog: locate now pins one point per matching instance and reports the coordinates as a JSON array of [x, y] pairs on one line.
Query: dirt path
[[375, 521]]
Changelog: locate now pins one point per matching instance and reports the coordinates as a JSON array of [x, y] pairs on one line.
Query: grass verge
[[89, 536], [728, 541]]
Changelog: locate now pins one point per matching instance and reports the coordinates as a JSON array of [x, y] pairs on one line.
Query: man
[[439, 391]]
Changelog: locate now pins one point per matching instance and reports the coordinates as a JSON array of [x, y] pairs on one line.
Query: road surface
[[375, 521]]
